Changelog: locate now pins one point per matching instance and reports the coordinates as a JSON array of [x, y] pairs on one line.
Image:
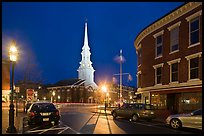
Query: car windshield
[[43, 107]]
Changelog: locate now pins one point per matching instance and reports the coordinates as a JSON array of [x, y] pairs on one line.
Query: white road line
[[71, 129], [63, 130], [34, 128], [45, 129]]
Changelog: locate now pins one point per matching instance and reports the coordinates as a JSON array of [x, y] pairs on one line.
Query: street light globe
[[13, 51], [53, 93], [104, 88], [58, 97]]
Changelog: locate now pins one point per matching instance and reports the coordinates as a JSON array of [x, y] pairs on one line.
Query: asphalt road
[[90, 120]]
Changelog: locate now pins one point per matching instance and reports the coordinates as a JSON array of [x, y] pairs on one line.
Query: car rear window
[[43, 106]]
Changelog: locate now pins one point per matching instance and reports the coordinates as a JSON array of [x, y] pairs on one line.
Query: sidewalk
[[18, 121]]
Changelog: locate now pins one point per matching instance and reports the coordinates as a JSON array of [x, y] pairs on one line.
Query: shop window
[[158, 101]]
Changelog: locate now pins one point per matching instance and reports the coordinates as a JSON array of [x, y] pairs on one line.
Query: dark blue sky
[[49, 36]]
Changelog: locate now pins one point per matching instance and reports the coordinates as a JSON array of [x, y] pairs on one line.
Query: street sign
[[17, 89], [30, 94]]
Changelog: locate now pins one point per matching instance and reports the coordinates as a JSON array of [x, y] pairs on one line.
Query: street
[[91, 120]]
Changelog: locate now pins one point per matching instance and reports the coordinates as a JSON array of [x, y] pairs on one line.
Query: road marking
[[63, 130], [34, 128], [45, 129], [69, 127]]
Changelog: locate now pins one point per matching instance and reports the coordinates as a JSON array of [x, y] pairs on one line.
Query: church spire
[[86, 70], [86, 34]]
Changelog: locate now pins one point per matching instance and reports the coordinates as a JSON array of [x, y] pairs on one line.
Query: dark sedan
[[40, 112]]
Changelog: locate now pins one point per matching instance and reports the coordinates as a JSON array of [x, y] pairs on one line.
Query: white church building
[[80, 89], [86, 70]]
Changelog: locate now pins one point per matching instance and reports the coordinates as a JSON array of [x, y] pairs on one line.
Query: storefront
[[177, 101]]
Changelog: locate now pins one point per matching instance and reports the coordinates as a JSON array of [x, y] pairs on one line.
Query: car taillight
[[31, 114]]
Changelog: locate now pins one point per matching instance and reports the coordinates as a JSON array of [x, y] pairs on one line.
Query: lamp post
[[104, 89], [120, 92], [13, 56]]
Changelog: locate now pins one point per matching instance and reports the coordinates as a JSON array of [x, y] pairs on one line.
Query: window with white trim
[[194, 68], [159, 42], [174, 39], [174, 72], [194, 31], [158, 71]]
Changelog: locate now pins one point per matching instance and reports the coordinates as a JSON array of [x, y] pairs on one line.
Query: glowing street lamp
[[13, 52], [53, 94]]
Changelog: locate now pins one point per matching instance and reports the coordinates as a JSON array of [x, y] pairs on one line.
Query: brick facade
[[145, 43]]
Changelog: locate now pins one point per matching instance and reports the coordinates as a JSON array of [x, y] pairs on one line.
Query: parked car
[[27, 106], [135, 111], [190, 120], [40, 112]]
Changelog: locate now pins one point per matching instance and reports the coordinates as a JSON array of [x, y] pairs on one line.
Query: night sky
[[50, 36]]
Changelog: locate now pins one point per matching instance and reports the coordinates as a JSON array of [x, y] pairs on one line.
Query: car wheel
[[135, 117], [114, 115], [175, 123]]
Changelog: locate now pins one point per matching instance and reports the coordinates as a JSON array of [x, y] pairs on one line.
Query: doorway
[[173, 102]]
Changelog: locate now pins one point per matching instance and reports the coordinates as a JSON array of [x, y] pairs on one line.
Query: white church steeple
[[85, 70]]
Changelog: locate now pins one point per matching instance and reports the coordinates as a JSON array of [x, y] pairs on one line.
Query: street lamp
[[53, 94], [13, 57], [104, 89], [58, 98]]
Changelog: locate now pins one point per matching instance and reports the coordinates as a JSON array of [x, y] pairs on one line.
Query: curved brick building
[[170, 60]]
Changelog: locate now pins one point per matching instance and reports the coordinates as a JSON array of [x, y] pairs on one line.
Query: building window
[[158, 75], [174, 36], [194, 31], [174, 72], [194, 68], [159, 46], [158, 100], [193, 65]]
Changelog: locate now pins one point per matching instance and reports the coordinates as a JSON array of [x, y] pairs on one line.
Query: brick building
[[170, 60]]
